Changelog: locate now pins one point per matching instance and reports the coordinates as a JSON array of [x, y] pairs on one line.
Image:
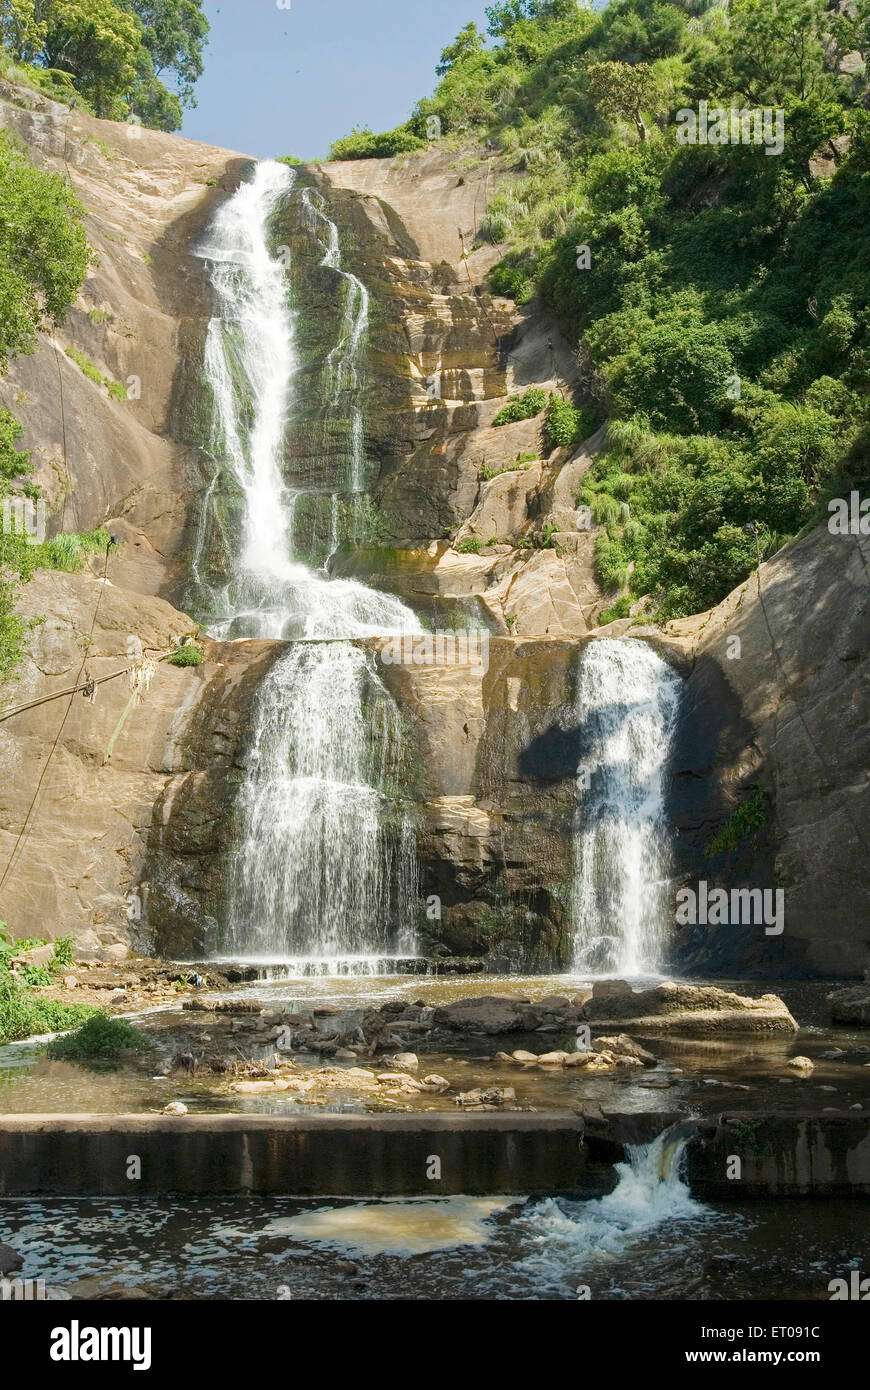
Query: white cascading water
[[342, 364], [627, 705], [327, 856], [650, 1191]]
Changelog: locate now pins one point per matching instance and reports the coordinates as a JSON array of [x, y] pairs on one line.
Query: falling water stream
[[627, 700], [325, 865]]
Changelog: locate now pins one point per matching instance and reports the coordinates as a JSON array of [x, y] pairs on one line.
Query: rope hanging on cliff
[[84, 688], [483, 309], [67, 478], [28, 819]]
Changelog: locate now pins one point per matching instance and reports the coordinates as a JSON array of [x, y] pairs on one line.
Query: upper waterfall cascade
[[627, 699], [326, 859]]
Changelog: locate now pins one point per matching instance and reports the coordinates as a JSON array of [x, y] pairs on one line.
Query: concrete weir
[[784, 1155], [270, 1155]]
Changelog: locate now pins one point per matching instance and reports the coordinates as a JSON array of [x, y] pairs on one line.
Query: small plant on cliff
[[749, 817], [188, 655], [520, 464], [512, 282], [100, 1036], [524, 407], [469, 545], [116, 389], [619, 609], [565, 425]]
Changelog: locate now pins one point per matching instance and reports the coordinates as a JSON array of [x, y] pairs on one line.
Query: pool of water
[[457, 1248]]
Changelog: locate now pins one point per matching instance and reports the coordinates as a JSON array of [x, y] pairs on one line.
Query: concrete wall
[[323, 1155]]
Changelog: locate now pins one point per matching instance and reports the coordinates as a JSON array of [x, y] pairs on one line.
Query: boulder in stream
[[690, 1010], [851, 1005]]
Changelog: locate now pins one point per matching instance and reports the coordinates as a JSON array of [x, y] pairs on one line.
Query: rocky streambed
[[396, 1044]]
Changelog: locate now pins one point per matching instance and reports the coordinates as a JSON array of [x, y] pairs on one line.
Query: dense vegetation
[[110, 55], [24, 1013], [719, 296], [43, 260]]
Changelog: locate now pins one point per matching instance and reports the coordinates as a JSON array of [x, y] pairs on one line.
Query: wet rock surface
[[851, 1005], [693, 1010]]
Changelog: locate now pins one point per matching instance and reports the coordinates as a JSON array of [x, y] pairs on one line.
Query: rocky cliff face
[[778, 698], [123, 464], [135, 851]]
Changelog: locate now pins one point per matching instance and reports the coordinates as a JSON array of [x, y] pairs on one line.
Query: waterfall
[[627, 704], [342, 364], [650, 1191], [326, 856]]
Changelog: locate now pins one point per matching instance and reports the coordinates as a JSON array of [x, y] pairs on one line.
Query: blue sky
[[288, 81]]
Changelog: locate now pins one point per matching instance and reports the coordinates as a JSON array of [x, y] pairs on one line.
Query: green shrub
[[524, 407], [566, 426], [100, 1036], [619, 609], [363, 143], [188, 655], [470, 545], [23, 1014], [748, 818], [43, 249], [64, 950], [513, 283]]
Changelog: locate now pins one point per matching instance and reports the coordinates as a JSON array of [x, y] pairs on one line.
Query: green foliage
[[174, 35], [723, 311], [748, 818], [619, 609], [23, 1014], [116, 389], [13, 461], [188, 655], [43, 250], [109, 55], [511, 281], [101, 1036], [363, 143], [524, 407], [624, 90], [468, 42], [64, 948], [565, 425], [470, 545], [43, 260]]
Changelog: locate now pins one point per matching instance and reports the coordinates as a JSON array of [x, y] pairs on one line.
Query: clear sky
[[289, 80]]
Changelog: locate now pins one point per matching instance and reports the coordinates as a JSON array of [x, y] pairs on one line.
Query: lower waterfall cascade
[[627, 703]]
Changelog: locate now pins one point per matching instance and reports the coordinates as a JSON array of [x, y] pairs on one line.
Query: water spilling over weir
[[326, 861]]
